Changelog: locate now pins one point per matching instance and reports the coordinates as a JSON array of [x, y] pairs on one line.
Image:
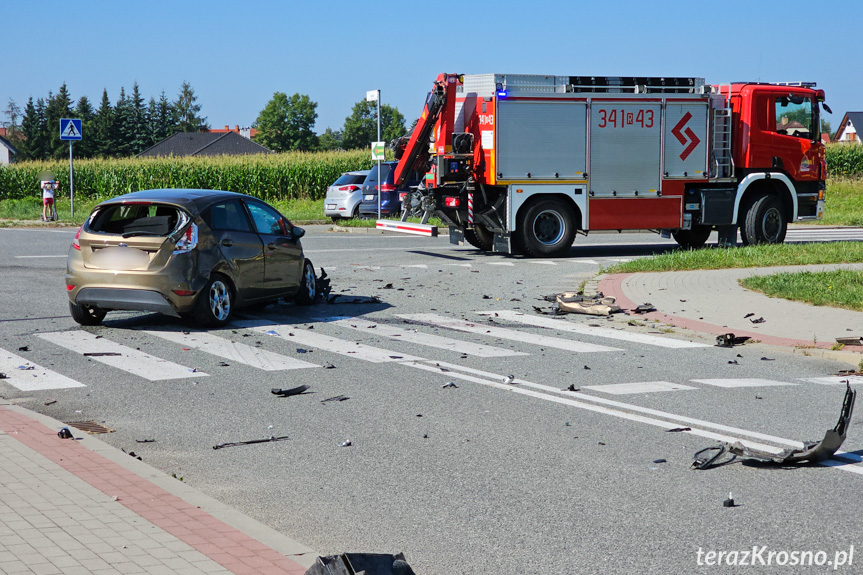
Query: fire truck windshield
[[794, 116]]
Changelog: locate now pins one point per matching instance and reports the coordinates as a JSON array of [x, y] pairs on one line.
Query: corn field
[[271, 177], [845, 160]]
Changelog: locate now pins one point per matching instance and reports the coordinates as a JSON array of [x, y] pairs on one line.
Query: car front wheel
[[215, 302], [86, 314], [308, 286]]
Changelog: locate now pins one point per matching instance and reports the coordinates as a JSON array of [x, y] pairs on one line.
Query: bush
[[271, 177], [845, 160]]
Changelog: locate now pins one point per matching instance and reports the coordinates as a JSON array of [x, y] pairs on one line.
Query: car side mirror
[[297, 232]]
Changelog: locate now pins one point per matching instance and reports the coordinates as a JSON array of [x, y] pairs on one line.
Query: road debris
[[573, 302], [336, 398], [850, 340], [571, 388], [289, 392], [251, 442], [678, 429], [449, 385], [758, 320], [65, 433], [50, 401], [24, 348], [768, 359], [346, 443], [729, 502], [3, 375], [750, 314], [328, 365], [361, 563], [102, 354], [660, 460], [812, 451], [645, 308], [730, 340], [145, 441], [508, 379]]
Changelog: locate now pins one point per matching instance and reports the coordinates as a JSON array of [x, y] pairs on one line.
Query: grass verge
[[837, 288], [714, 258]]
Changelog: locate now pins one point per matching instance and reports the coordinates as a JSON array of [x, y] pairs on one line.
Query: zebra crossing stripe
[[302, 336], [753, 382], [427, 339], [128, 359], [834, 379], [233, 351], [503, 333], [566, 325], [640, 387], [32, 377]]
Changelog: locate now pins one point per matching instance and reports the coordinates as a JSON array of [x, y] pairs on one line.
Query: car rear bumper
[[125, 299], [344, 207]]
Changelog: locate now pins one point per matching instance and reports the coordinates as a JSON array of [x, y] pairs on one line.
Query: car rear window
[[347, 179], [136, 220]]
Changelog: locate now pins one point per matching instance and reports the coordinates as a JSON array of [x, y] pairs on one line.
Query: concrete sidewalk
[[81, 507], [713, 302]]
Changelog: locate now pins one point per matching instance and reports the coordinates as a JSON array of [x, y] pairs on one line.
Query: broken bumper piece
[[811, 452]]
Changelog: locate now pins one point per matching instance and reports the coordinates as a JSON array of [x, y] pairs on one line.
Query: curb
[[276, 540]]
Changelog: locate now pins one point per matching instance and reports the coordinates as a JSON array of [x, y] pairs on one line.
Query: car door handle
[[227, 242]]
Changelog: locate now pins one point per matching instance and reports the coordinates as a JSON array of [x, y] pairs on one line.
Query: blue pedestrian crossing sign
[[70, 129]]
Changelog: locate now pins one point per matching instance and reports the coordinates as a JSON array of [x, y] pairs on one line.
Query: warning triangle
[[70, 131]]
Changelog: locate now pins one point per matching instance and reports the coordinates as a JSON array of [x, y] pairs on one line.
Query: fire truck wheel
[[480, 238], [693, 238], [546, 229], [765, 222]]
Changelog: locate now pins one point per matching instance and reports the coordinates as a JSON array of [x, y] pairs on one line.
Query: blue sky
[[237, 54]]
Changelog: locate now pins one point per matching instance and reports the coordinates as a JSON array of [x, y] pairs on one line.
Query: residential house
[[228, 143], [245, 131], [848, 128], [7, 150]]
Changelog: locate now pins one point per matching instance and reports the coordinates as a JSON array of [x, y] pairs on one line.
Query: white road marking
[[835, 379], [130, 360], [584, 261], [541, 262], [457, 265], [674, 420], [35, 379], [501, 264], [417, 266], [427, 339], [503, 333], [233, 351], [300, 335], [566, 325], [29, 257], [753, 382], [639, 387]]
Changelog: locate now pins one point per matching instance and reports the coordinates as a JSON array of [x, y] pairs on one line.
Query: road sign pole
[[71, 182], [379, 161]]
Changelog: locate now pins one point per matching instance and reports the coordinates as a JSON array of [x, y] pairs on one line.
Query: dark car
[[200, 253], [391, 204]]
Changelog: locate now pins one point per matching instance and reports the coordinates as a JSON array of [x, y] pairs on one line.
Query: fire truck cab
[[523, 163]]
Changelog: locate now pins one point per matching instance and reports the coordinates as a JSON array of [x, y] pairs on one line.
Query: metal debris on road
[[250, 442], [850, 340], [730, 340], [812, 451], [450, 384], [289, 392], [508, 379], [758, 320]]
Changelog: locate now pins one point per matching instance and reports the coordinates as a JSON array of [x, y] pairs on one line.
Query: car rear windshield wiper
[[130, 234]]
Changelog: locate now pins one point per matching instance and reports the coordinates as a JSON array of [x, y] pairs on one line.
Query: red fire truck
[[523, 163]]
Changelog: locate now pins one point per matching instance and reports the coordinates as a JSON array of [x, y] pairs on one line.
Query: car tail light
[[75, 243], [451, 202], [388, 188], [69, 287], [183, 292], [350, 188], [187, 241]]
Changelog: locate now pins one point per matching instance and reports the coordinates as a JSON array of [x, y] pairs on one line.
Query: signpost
[[375, 96], [70, 129]]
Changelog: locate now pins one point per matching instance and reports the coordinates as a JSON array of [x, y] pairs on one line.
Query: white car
[[344, 195]]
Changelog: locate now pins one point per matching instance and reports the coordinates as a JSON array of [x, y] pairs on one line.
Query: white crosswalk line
[[566, 325], [129, 360], [233, 351], [752, 382], [639, 387], [501, 264], [584, 261], [503, 333], [300, 335], [834, 379], [541, 262], [427, 339], [417, 266], [35, 379]]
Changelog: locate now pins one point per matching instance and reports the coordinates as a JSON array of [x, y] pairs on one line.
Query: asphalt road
[[485, 477]]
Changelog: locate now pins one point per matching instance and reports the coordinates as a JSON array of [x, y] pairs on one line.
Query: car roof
[[191, 200], [358, 173]]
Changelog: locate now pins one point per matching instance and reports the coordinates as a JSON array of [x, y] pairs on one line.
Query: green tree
[[361, 126], [122, 119], [330, 140], [28, 147], [136, 132], [161, 118], [12, 123], [57, 107], [105, 137], [286, 123], [86, 147], [825, 126], [187, 111]]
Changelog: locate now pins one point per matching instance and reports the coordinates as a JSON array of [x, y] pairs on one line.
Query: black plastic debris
[[758, 320], [250, 442], [750, 314], [3, 375], [64, 433], [678, 429], [732, 362], [50, 401], [224, 364], [289, 392], [328, 365], [730, 340], [361, 564], [486, 296], [571, 388], [729, 502], [24, 348], [145, 441], [388, 286], [660, 460], [301, 350], [768, 359], [586, 367], [645, 308], [812, 451], [335, 399], [101, 354], [449, 385], [849, 340]]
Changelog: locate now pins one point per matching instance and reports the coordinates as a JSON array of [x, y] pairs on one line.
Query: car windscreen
[[130, 220], [347, 179]]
